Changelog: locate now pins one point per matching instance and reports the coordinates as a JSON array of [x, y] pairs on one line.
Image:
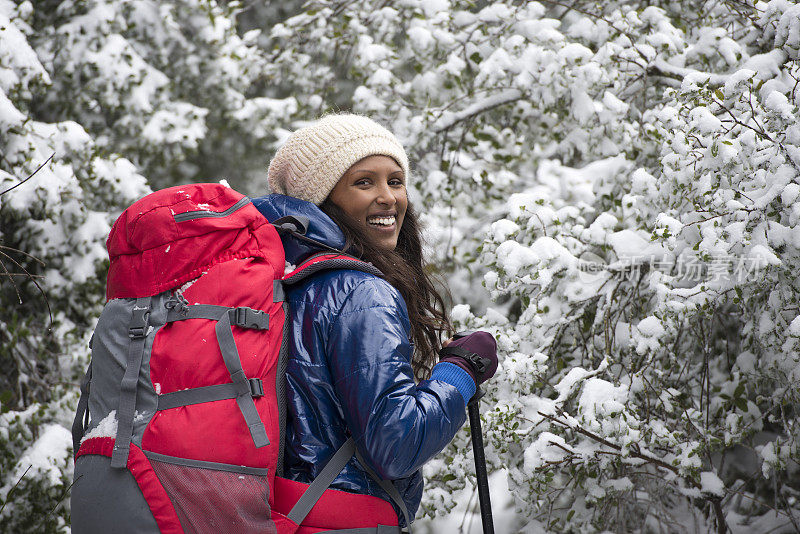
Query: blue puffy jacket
[[349, 373]]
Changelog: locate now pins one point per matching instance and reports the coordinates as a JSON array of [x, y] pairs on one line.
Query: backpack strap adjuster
[[244, 317], [256, 387], [138, 324]]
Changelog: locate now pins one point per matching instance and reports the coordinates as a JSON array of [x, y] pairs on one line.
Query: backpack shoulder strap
[[328, 260]]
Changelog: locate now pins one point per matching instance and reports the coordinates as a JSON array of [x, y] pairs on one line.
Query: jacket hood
[[320, 227]]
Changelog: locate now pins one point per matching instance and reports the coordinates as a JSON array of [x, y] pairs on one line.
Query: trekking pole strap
[[390, 489], [137, 332], [322, 482]]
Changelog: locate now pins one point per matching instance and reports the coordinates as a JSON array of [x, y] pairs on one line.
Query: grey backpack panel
[[107, 500], [109, 360]]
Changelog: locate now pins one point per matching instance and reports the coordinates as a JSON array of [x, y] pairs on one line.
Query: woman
[[359, 340]]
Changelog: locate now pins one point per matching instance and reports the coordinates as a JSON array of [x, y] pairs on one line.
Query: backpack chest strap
[[242, 316]]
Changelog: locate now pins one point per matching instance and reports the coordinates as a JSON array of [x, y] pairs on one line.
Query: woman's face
[[373, 192]]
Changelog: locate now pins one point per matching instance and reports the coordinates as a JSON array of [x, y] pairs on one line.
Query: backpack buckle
[[138, 324], [256, 387], [249, 318]]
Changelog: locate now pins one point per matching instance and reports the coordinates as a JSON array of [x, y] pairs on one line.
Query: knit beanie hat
[[313, 159]]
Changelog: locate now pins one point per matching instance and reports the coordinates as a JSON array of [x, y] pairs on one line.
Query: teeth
[[381, 221]]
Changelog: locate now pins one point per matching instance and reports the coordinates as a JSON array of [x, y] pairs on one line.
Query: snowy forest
[[611, 188]]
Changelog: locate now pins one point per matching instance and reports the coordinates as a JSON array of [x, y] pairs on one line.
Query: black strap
[[291, 223], [478, 363], [297, 227], [82, 414], [137, 332], [200, 395], [322, 482]]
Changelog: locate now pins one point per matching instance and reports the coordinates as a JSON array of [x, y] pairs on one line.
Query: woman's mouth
[[382, 221]]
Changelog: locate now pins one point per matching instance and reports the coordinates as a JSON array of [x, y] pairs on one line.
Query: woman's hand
[[474, 352]]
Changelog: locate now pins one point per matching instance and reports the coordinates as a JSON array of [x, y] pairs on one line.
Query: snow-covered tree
[[100, 94], [637, 170], [612, 188]]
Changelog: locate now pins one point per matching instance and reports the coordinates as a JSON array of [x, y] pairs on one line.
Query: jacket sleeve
[[398, 425]]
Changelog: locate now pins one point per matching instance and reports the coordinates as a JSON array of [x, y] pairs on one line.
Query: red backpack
[[180, 423]]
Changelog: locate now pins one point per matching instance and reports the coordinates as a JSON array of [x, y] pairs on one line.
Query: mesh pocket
[[213, 498]]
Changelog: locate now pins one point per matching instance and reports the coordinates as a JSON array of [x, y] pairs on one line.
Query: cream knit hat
[[314, 158]]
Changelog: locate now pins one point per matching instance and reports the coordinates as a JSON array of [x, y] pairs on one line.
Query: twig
[[31, 175], [34, 258], [8, 496], [11, 279], [33, 279], [634, 453], [63, 495]]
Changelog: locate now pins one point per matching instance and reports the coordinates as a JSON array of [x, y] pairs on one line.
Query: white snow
[[576, 374], [601, 398], [501, 97], [794, 326], [107, 428], [651, 327], [764, 255], [46, 455], [710, 483]]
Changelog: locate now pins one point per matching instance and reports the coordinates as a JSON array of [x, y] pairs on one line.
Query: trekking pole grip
[[480, 462]]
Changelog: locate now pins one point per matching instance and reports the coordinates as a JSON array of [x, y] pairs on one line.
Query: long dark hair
[[406, 270]]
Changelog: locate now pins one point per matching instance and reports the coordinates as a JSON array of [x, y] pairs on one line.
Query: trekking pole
[[477, 450], [480, 462]]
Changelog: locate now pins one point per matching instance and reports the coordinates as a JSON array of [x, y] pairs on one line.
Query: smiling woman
[[373, 192], [358, 339]]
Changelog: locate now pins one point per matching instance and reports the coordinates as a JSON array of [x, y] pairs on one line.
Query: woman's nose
[[386, 195]]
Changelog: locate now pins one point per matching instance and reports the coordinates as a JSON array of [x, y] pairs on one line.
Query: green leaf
[[741, 403], [475, 57], [719, 94], [5, 399]]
